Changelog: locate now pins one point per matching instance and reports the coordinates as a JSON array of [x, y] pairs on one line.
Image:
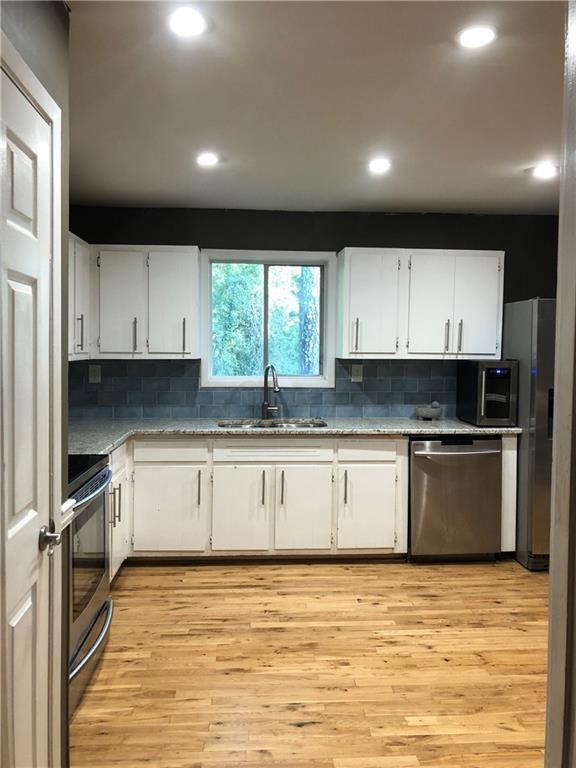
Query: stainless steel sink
[[288, 424]]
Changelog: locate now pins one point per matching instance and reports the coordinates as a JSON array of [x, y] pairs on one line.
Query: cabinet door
[[366, 506], [374, 284], [172, 301], [170, 507], [477, 303], [71, 298], [241, 506], [303, 507], [431, 308], [82, 297], [119, 515], [122, 301]]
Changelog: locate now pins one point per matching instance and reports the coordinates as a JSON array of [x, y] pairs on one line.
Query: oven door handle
[[102, 487], [109, 607]]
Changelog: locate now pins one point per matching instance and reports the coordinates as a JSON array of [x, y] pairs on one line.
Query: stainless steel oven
[[86, 559]]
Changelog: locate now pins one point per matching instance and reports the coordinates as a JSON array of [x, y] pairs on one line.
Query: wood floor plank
[[320, 666]]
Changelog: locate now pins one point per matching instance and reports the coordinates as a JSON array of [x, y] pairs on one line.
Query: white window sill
[[285, 382]]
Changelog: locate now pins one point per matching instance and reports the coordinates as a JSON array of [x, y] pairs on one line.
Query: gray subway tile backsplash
[[168, 388]]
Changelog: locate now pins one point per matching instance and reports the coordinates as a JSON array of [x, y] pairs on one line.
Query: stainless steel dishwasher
[[455, 497]]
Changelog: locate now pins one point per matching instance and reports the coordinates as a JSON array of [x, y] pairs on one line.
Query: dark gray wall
[[530, 242], [39, 32]]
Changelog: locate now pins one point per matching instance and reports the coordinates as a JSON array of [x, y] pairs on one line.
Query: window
[[266, 310]]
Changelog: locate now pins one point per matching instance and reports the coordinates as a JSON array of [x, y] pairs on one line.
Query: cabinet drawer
[[272, 451], [176, 450], [367, 450]]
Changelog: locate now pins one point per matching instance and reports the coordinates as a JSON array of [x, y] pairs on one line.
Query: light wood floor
[[320, 666]]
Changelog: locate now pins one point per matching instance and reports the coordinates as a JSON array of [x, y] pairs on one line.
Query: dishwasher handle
[[465, 452]]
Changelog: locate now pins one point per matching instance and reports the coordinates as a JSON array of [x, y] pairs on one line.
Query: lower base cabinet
[[170, 507], [119, 521], [303, 518], [366, 506], [241, 505]]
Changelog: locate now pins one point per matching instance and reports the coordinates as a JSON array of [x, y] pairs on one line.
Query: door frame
[[26, 81]]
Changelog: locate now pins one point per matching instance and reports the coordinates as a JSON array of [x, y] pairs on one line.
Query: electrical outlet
[[94, 374], [357, 373]]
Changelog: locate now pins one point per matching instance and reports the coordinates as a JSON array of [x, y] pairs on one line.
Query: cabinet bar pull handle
[[345, 487], [81, 321], [446, 335], [460, 326], [199, 486], [112, 497], [483, 394], [135, 334], [118, 507], [356, 333], [183, 335], [282, 488], [263, 487]]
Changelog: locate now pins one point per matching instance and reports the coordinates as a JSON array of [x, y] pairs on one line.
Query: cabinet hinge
[[148, 260], [133, 477], [148, 344], [499, 266], [407, 343], [98, 342], [332, 476], [398, 262], [98, 260], [331, 539], [210, 539], [395, 539], [397, 343], [212, 477], [497, 345], [395, 478], [410, 263], [132, 539]]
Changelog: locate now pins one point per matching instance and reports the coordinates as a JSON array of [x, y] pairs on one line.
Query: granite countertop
[[103, 435]]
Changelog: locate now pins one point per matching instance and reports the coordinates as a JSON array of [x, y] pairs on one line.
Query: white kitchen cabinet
[[241, 507], [170, 507], [369, 302], [455, 304], [120, 523], [173, 302], [366, 506], [122, 301], [431, 303], [477, 304], [303, 510], [79, 312]]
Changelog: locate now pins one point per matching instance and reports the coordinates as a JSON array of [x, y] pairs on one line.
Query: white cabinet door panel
[[82, 297], [71, 298], [241, 504], [477, 318], [431, 303], [172, 294], [366, 506], [303, 507], [119, 522], [373, 290], [170, 507], [122, 301]]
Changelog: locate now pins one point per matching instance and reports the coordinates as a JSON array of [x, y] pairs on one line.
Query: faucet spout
[[269, 410]]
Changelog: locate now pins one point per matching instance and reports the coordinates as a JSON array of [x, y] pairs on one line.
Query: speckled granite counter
[[103, 435]]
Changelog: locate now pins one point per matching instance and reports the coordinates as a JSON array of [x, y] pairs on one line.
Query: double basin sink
[[287, 424]]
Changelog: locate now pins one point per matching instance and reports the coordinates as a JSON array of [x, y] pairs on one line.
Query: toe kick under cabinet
[[269, 496]]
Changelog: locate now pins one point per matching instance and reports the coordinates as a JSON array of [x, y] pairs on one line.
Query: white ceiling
[[297, 96]]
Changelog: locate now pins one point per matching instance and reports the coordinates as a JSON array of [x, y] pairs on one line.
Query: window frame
[[326, 259]]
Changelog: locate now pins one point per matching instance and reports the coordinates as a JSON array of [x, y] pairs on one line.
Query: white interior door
[[241, 503], [170, 509], [366, 506], [374, 281], [25, 259], [82, 297], [431, 309], [172, 301], [122, 301], [477, 310], [303, 507]]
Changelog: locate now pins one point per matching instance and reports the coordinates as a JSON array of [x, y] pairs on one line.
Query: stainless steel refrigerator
[[529, 334]]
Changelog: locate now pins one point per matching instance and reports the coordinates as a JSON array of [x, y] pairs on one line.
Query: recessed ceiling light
[[207, 159], [476, 37], [379, 165], [545, 170], [187, 22]]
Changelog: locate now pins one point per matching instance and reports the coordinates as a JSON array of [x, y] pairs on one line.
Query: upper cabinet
[[148, 302], [443, 304], [172, 310], [368, 302], [79, 290], [122, 301]]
